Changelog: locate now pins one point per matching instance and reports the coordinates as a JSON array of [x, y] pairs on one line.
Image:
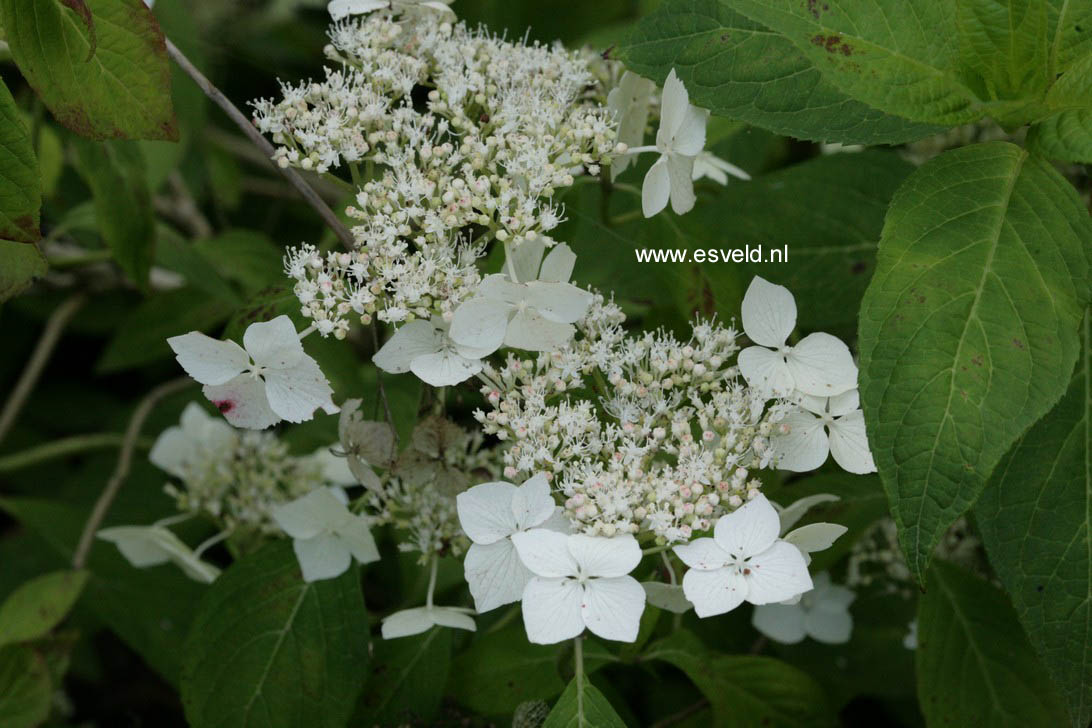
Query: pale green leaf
[[1070, 24], [738, 68], [968, 330], [269, 649], [1035, 520], [582, 706], [974, 665], [1066, 136], [20, 183], [26, 691], [115, 84], [39, 605], [1004, 44]]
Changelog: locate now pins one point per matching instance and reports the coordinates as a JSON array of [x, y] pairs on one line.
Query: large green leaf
[[104, 80], [20, 264], [1003, 46], [406, 680], [20, 182], [900, 57], [269, 649], [1068, 22], [123, 209], [26, 691], [746, 690], [974, 665], [968, 330], [38, 605], [582, 706], [738, 68], [1066, 136], [1035, 519]]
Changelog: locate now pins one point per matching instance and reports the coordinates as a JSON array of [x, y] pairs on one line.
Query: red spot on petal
[[746, 572], [225, 405]]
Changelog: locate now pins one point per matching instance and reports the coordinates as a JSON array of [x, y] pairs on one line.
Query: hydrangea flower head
[[821, 426]]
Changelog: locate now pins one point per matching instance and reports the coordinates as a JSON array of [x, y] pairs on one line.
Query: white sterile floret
[[426, 349], [821, 426], [326, 535], [145, 546], [268, 379], [679, 140], [580, 582], [421, 619], [630, 101], [822, 614], [490, 513], [527, 307], [198, 438], [709, 165], [341, 9], [744, 561], [819, 365]]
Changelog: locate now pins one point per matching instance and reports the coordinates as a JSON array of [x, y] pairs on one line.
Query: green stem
[[75, 261], [626, 217], [578, 664], [432, 580], [354, 172], [63, 448], [656, 549]]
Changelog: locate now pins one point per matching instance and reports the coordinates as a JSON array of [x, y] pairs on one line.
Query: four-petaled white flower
[[196, 438], [146, 546], [580, 581], [270, 380], [819, 365], [744, 561], [341, 9], [821, 426], [629, 101], [326, 535], [709, 165], [527, 307], [679, 140], [421, 619], [490, 513], [822, 614], [426, 349]]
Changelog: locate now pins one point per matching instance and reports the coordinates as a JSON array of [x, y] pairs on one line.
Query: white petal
[[822, 365], [444, 368], [274, 344], [750, 529], [557, 301], [480, 323], [656, 189], [714, 592], [335, 469], [780, 622], [680, 170], [702, 553], [495, 574], [532, 503], [306, 517], [296, 392], [673, 105], [485, 512], [815, 536], [766, 370], [172, 450], [669, 597], [768, 312], [545, 553], [805, 447], [605, 557], [407, 622], [558, 521], [831, 627], [844, 403], [356, 535], [322, 557], [447, 617], [849, 443], [551, 610], [412, 340], [558, 266], [690, 138], [789, 516], [526, 258], [777, 574], [138, 544], [208, 360], [612, 608], [243, 402], [531, 332]]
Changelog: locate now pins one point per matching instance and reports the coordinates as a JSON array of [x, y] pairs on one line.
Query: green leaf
[[20, 265], [115, 84], [39, 605], [123, 209], [1004, 44], [20, 183], [968, 330], [1066, 136], [246, 257], [1034, 518], [26, 691], [406, 681], [899, 57], [974, 665], [738, 68], [1073, 90], [1069, 23], [582, 706], [746, 690], [269, 649]]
